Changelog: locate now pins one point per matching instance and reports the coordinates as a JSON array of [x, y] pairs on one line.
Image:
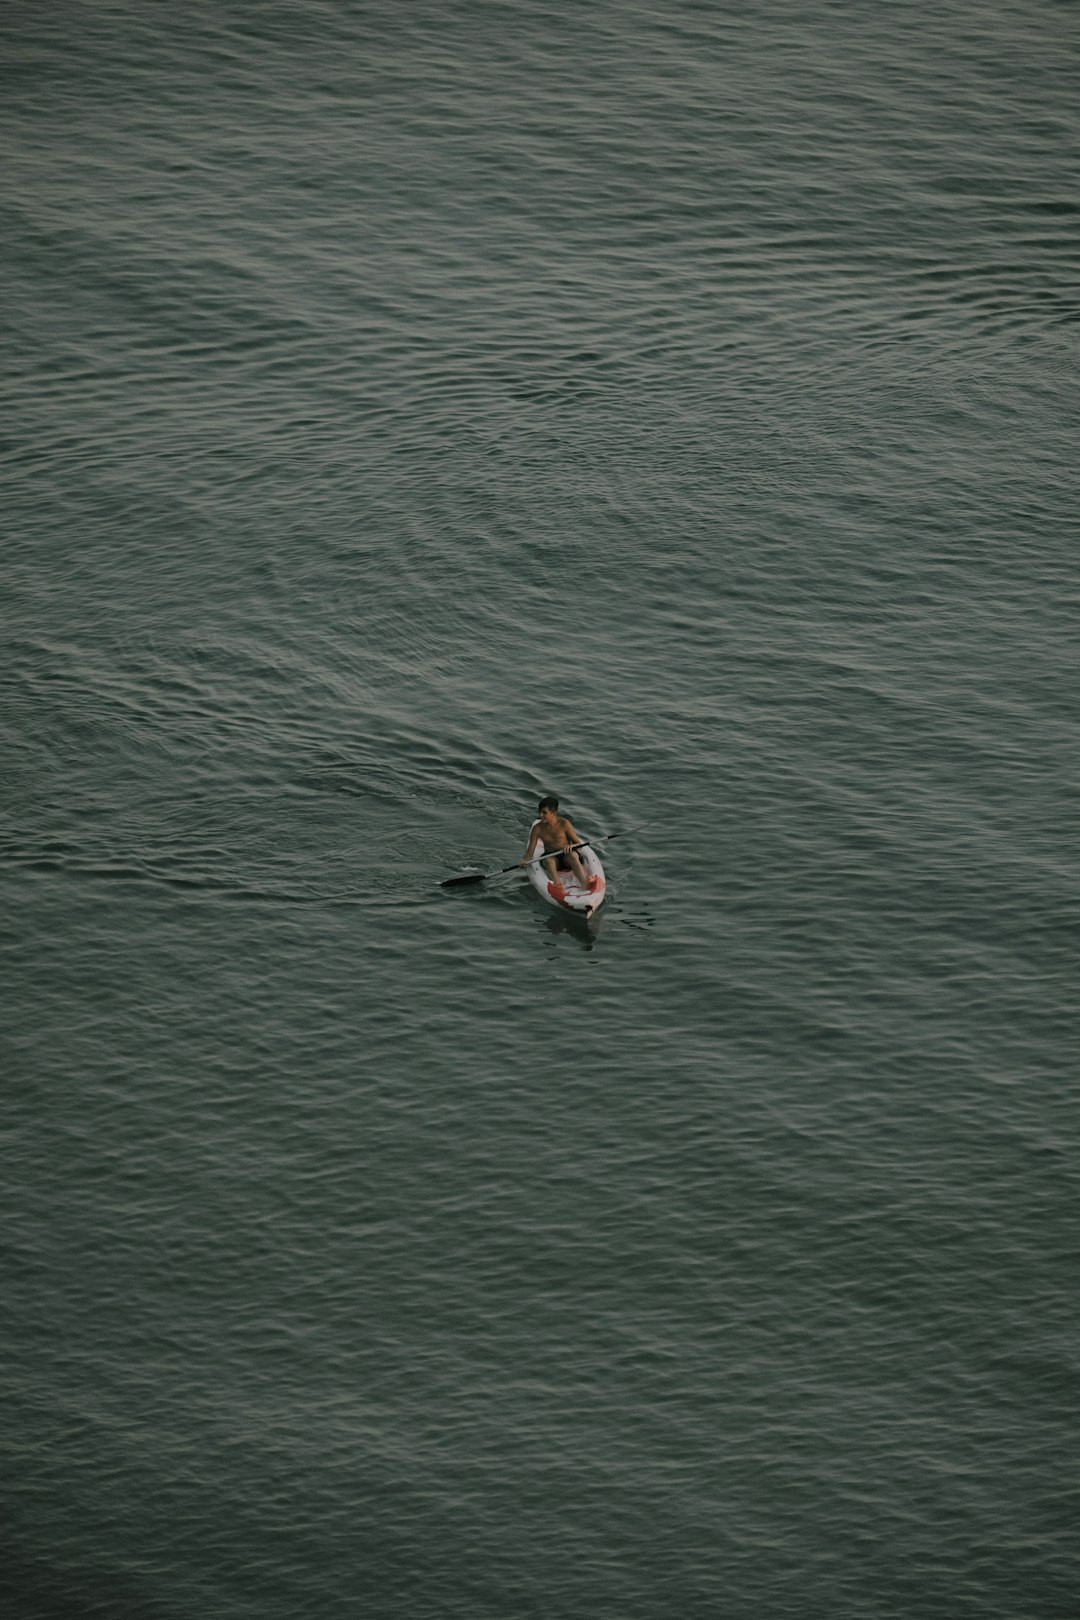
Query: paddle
[[481, 877]]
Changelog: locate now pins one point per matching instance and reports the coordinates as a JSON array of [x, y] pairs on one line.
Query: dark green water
[[407, 412]]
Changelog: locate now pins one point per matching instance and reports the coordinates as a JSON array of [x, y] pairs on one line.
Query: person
[[556, 832]]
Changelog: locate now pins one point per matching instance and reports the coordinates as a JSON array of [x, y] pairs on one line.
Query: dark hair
[[550, 803]]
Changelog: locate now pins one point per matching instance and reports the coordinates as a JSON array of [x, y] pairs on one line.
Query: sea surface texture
[[409, 410]]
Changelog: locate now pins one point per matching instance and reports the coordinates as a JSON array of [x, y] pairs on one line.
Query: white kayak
[[567, 894]]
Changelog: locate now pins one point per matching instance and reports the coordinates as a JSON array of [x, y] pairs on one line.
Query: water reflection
[[583, 929]]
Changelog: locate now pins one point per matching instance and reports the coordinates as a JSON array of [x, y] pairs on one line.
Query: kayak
[[568, 895]]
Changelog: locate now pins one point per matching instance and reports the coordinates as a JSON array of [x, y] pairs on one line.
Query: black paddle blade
[[469, 877]]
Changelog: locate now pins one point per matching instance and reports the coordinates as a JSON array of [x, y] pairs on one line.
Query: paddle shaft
[[480, 877]]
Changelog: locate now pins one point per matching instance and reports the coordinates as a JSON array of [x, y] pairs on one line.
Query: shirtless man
[[555, 832]]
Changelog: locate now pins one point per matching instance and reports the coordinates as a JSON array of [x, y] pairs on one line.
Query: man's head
[[549, 805]]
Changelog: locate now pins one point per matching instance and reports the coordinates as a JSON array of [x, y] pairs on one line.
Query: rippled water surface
[[406, 412]]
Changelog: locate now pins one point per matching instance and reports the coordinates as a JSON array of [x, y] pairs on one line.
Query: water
[[408, 413]]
